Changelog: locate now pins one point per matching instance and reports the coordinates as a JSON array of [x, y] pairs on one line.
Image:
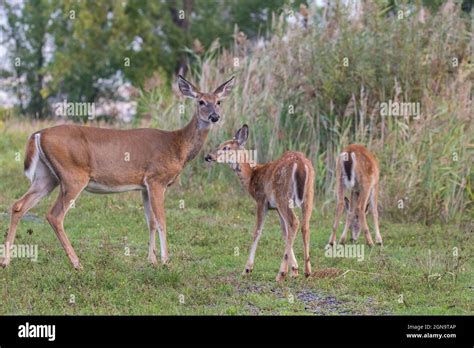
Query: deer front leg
[[375, 214], [349, 217], [261, 213], [339, 209], [156, 193], [152, 225], [350, 206]]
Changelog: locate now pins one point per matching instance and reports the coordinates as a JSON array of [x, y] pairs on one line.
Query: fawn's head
[[208, 104], [229, 151], [354, 224]]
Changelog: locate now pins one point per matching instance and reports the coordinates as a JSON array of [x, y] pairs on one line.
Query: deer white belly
[[95, 187]]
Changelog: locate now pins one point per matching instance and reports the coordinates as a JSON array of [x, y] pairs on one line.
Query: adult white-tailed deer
[[102, 160], [357, 170], [283, 184]]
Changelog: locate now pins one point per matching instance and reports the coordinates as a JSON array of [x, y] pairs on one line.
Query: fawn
[[282, 185], [357, 170]]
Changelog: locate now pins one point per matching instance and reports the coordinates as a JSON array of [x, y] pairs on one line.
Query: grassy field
[[209, 238]]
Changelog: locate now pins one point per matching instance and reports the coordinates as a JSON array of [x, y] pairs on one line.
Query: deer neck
[[244, 172], [194, 134]]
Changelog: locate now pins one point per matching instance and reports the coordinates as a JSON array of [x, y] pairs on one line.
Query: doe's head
[[234, 145], [208, 104]]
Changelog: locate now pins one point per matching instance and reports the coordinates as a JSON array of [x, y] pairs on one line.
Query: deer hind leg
[[307, 210], [156, 194], [152, 225], [285, 228], [291, 221], [68, 194], [375, 213], [339, 210], [261, 213], [361, 207], [42, 185], [350, 214]]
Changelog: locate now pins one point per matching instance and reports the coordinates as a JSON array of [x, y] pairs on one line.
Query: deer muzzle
[[214, 117]]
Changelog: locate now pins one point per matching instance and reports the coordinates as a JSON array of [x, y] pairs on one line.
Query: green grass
[[218, 217]]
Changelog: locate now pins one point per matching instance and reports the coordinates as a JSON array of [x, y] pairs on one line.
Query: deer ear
[[187, 88], [242, 135], [346, 203], [224, 90]]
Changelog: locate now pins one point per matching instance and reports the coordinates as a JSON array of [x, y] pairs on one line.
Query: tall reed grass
[[318, 87]]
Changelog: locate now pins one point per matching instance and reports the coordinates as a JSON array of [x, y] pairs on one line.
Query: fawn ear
[[242, 135], [187, 88], [224, 90], [346, 204]]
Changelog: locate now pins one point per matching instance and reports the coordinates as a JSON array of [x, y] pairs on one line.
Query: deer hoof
[[4, 263], [153, 261], [78, 266], [280, 276], [294, 272], [247, 271]]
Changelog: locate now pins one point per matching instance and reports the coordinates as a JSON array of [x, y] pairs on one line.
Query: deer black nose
[[214, 117], [208, 158]]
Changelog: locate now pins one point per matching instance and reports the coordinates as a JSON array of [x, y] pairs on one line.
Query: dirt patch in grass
[[320, 304], [314, 302]]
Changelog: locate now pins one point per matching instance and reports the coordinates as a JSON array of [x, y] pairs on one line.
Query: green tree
[[95, 41], [25, 36], [90, 41]]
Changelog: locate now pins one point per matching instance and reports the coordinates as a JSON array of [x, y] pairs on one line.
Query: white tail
[[349, 174], [30, 171]]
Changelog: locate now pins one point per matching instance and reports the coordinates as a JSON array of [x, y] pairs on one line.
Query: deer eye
[[219, 102], [201, 102]]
